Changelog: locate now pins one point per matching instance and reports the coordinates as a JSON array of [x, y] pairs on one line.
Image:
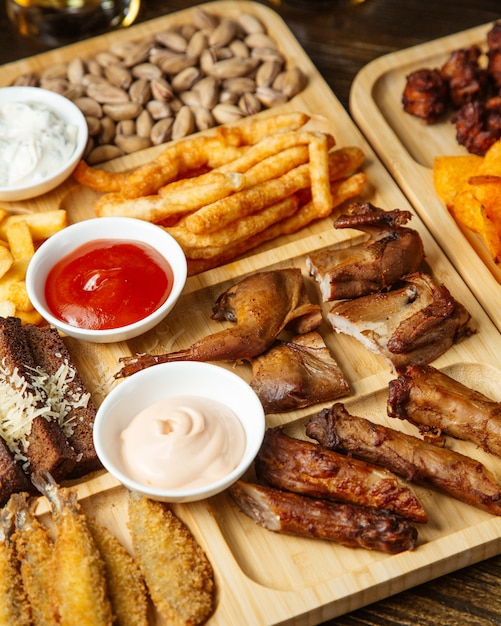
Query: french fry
[[20, 240], [6, 260], [19, 296], [42, 224]]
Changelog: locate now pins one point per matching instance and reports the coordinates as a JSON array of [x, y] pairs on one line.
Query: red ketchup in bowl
[[108, 283]]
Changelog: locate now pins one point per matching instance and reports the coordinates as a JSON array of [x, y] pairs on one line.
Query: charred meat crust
[[302, 516], [421, 462], [310, 469]]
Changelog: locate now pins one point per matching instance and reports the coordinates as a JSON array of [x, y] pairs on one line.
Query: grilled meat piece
[[407, 456], [436, 403], [467, 79], [494, 54], [425, 94], [413, 324], [310, 469], [478, 125], [77, 411], [262, 305], [296, 374], [372, 265], [352, 526]]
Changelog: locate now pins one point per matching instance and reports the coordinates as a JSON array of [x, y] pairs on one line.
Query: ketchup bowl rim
[[120, 228], [158, 382], [69, 113]]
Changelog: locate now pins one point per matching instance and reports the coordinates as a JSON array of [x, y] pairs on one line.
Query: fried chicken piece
[[78, 573], [425, 95], [478, 125], [310, 469], [407, 456], [467, 80], [14, 606], [437, 403], [262, 305], [413, 324], [176, 570], [372, 265], [297, 373], [494, 54], [126, 586], [34, 548], [347, 524]]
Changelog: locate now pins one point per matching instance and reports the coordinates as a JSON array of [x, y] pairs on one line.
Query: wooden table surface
[[341, 39]]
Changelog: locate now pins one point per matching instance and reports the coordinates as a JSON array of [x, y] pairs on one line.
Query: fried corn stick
[[98, 179], [14, 606], [219, 214], [341, 190], [344, 161], [203, 246], [276, 165], [176, 569], [126, 586], [78, 575], [253, 129], [34, 548], [319, 174], [269, 146]]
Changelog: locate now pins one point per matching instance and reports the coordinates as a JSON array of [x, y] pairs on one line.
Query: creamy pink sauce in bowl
[[179, 432]]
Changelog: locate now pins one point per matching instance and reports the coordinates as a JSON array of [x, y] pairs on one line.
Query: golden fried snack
[[207, 245], [78, 574], [219, 214], [341, 191], [34, 548], [177, 572], [126, 586], [14, 606]]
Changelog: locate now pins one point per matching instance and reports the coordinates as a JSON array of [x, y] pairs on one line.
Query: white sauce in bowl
[[34, 143], [182, 442]]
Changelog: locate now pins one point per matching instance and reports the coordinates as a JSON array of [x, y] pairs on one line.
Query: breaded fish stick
[[177, 572], [34, 549], [79, 583], [126, 586], [14, 607]]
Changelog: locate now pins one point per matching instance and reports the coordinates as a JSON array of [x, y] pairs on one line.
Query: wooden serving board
[[262, 577], [408, 148]]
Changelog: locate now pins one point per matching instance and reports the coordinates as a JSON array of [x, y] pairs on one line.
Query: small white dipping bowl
[[66, 111], [75, 235], [157, 382]]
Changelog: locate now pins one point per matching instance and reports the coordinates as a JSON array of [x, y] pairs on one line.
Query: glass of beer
[[56, 22]]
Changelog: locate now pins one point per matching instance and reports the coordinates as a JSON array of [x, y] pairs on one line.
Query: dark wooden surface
[[340, 40]]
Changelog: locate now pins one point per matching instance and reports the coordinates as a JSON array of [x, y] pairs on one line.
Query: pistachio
[[93, 125], [140, 91], [197, 44], [231, 68], [104, 152], [249, 104], [203, 118], [76, 70], [172, 40], [184, 124], [250, 23], [204, 20], [132, 143], [162, 131], [161, 90], [223, 34], [227, 113], [118, 75], [147, 70], [144, 123], [89, 106], [122, 110], [159, 109], [126, 127], [186, 79], [107, 130], [106, 93]]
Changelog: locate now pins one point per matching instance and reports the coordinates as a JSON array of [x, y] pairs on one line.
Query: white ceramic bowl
[[70, 114], [125, 228], [172, 379]]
